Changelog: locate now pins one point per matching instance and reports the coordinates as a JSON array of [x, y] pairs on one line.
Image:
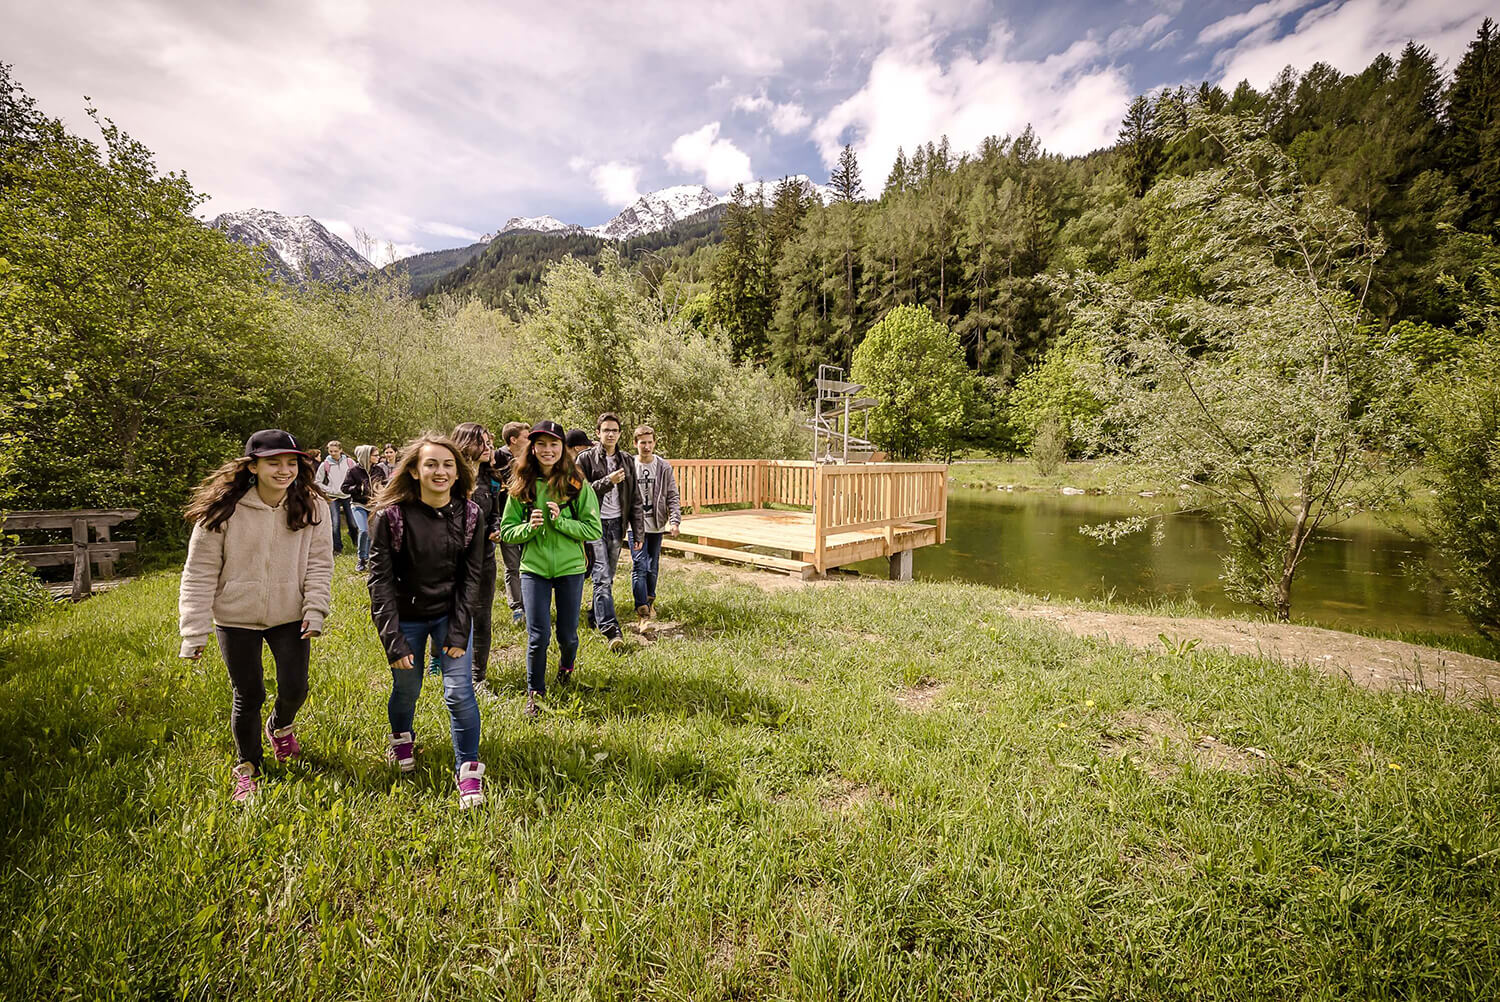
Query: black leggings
[[241, 651], [483, 610]]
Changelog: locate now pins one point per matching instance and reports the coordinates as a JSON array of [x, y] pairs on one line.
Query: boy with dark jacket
[[611, 474]]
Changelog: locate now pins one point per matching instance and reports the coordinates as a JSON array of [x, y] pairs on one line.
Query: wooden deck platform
[[835, 515]]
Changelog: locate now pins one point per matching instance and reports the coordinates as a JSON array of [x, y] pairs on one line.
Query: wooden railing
[[856, 497], [879, 496]]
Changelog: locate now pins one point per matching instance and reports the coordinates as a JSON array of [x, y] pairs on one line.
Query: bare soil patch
[[846, 796], [1367, 661], [919, 698], [1159, 743]]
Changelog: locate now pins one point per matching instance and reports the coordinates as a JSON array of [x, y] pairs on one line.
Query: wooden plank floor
[[792, 531]]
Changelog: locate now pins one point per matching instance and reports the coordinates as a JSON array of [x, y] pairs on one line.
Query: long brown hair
[[469, 437], [403, 484], [214, 499], [563, 484]]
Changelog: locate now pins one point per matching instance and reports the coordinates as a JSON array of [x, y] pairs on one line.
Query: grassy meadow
[[856, 790]]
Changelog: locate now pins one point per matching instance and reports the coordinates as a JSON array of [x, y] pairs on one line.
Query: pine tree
[[895, 182], [1471, 151], [741, 301], [845, 180], [1142, 145]]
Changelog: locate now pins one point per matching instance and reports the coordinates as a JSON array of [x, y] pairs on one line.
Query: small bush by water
[[852, 790]]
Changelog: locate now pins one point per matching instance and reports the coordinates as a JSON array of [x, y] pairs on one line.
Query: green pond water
[[1358, 574]]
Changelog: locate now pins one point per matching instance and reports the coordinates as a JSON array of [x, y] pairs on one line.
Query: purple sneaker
[[403, 751], [283, 742], [244, 782], [470, 784]]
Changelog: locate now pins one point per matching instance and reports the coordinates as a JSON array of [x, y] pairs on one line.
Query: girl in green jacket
[[551, 511]]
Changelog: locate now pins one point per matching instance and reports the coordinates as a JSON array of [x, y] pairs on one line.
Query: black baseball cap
[[577, 437], [271, 442], [549, 428]]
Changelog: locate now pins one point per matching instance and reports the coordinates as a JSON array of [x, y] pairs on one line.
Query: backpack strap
[[471, 521], [396, 523]]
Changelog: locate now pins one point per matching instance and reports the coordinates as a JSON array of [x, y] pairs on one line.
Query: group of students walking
[[432, 524]]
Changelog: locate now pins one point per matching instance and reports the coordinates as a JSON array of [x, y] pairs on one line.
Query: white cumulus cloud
[[1347, 34], [783, 117], [1074, 101], [617, 181], [1239, 24], [722, 164]]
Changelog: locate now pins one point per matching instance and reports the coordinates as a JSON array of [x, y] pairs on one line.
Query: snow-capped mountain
[[658, 210], [535, 224], [298, 248], [767, 189]]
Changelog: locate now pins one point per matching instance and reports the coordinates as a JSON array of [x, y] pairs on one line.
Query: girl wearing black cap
[[255, 576], [552, 512]]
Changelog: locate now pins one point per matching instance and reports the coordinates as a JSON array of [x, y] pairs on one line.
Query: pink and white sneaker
[[470, 784], [283, 742], [403, 751], [244, 782]]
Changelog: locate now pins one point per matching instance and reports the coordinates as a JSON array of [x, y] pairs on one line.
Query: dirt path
[[1366, 661]]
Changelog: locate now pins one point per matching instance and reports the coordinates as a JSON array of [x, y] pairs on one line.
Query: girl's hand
[[495, 536], [309, 634], [193, 654], [554, 509], [537, 518], [454, 652], [403, 663]]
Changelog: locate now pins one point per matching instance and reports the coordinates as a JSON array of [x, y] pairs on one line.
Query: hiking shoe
[[533, 705], [564, 675], [244, 782], [470, 784], [616, 643], [403, 751], [283, 742], [361, 568]]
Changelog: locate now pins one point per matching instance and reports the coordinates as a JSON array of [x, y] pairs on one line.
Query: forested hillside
[[511, 267], [973, 235], [425, 270]]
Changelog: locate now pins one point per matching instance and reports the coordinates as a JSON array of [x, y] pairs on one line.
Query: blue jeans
[[606, 552], [458, 687], [536, 599], [361, 519], [645, 565], [339, 511]]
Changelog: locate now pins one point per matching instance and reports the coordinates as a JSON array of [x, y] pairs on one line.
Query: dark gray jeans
[[241, 651], [510, 556], [606, 551]]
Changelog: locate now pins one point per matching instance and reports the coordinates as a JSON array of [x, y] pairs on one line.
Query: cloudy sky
[[427, 124]]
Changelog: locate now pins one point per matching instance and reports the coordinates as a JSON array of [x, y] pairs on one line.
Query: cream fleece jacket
[[255, 573]]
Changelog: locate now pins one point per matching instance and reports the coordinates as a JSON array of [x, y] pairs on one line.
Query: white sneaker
[[403, 751], [470, 784]]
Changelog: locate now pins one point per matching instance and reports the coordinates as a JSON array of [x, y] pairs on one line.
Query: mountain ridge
[[297, 249]]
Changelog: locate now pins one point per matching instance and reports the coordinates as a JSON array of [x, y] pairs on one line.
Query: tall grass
[[853, 791]]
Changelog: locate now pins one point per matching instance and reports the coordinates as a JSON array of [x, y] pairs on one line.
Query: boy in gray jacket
[[662, 512]]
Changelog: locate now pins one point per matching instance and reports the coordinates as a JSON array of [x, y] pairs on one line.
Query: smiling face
[[437, 470], [547, 450], [389, 455], [276, 472], [335, 450]]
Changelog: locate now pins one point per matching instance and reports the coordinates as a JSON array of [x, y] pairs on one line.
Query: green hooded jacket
[[555, 549]]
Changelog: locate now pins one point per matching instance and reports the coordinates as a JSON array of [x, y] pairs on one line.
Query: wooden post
[[890, 515], [83, 580], [820, 517], [106, 564], [901, 564]]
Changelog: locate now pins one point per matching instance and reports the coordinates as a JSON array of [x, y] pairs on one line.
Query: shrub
[[22, 596]]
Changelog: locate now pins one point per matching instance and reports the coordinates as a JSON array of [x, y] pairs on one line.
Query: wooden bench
[[81, 552]]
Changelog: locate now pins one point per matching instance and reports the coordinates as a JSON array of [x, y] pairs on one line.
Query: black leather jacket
[[592, 465], [434, 575], [491, 506]]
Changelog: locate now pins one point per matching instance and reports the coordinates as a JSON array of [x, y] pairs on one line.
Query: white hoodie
[[254, 572]]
